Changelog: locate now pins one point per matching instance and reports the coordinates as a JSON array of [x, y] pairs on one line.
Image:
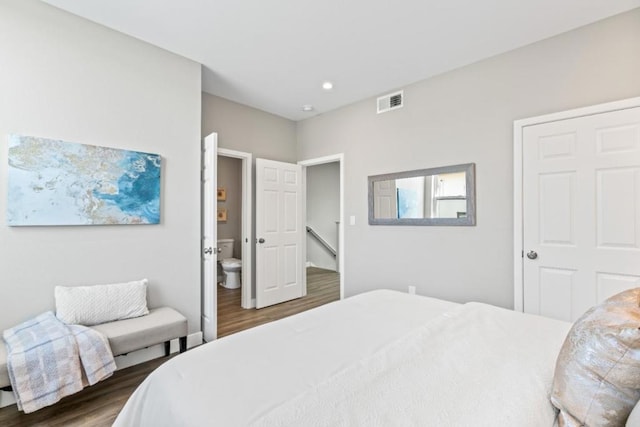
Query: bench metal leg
[[183, 346]]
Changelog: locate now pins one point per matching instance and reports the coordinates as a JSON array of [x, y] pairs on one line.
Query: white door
[[385, 199], [279, 232], [209, 239], [581, 211]]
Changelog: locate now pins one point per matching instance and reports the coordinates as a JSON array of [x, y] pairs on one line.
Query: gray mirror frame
[[470, 219]]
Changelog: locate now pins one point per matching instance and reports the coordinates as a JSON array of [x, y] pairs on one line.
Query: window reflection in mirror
[[437, 196]]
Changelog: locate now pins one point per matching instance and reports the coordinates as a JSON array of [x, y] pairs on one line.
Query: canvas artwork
[[54, 182]]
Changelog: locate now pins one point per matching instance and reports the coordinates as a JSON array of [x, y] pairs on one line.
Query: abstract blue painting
[[54, 182]]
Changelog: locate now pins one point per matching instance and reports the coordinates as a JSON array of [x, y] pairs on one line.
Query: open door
[[280, 232], [209, 238]]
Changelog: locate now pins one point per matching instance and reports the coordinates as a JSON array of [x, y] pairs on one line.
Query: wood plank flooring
[[323, 286], [98, 405]]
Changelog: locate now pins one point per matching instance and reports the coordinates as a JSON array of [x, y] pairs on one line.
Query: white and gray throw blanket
[[48, 360]]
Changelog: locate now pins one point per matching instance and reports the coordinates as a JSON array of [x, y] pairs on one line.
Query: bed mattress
[[377, 358]]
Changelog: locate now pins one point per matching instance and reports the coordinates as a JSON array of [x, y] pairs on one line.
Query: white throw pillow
[[92, 305]]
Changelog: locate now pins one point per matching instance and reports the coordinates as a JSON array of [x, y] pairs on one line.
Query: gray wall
[[230, 178], [63, 77], [323, 210], [465, 116], [247, 129]]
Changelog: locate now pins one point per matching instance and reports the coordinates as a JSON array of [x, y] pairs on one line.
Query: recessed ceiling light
[[307, 108], [327, 85]]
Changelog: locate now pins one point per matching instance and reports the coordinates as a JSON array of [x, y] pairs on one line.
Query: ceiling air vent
[[390, 102]]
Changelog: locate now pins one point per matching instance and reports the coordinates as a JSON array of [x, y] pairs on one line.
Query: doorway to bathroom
[[234, 226], [211, 192], [323, 283]]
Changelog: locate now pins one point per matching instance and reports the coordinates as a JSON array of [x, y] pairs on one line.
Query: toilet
[[230, 266]]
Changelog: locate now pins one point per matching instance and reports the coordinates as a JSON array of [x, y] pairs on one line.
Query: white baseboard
[[131, 359], [252, 304]]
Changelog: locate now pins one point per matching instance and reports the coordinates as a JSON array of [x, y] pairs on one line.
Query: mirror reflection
[[436, 196]]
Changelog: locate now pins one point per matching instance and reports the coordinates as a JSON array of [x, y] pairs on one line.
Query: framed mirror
[[435, 196]]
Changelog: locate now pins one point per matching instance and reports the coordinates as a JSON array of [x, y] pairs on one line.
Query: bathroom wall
[[323, 210], [230, 178]]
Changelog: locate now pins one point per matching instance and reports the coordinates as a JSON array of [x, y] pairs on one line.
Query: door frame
[[518, 226], [247, 229], [341, 243]]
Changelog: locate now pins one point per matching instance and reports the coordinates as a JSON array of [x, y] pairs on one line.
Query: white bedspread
[[477, 365], [378, 359]]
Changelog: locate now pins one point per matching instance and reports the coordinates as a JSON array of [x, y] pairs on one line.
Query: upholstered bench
[[4, 374], [161, 325]]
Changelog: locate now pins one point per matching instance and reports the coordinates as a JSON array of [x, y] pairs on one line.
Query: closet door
[[581, 211]]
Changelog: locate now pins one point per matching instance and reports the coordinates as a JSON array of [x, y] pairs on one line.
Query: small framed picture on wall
[[222, 214], [222, 194]]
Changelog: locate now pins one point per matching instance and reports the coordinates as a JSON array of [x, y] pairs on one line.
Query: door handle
[[532, 254], [261, 240], [208, 251]]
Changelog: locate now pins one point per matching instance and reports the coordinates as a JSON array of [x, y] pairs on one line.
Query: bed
[[376, 359]]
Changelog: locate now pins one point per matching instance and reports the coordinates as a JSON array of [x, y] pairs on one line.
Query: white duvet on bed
[[378, 359]]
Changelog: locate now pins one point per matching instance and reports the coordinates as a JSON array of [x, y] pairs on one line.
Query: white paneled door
[[280, 232], [385, 199], [209, 239], [581, 211]]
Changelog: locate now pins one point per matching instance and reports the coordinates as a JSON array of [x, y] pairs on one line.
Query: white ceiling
[[274, 55]]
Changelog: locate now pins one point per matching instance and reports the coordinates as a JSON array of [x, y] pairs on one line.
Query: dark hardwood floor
[[98, 405], [323, 286]]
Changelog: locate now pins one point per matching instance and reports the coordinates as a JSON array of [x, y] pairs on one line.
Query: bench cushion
[[4, 374], [160, 325]]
